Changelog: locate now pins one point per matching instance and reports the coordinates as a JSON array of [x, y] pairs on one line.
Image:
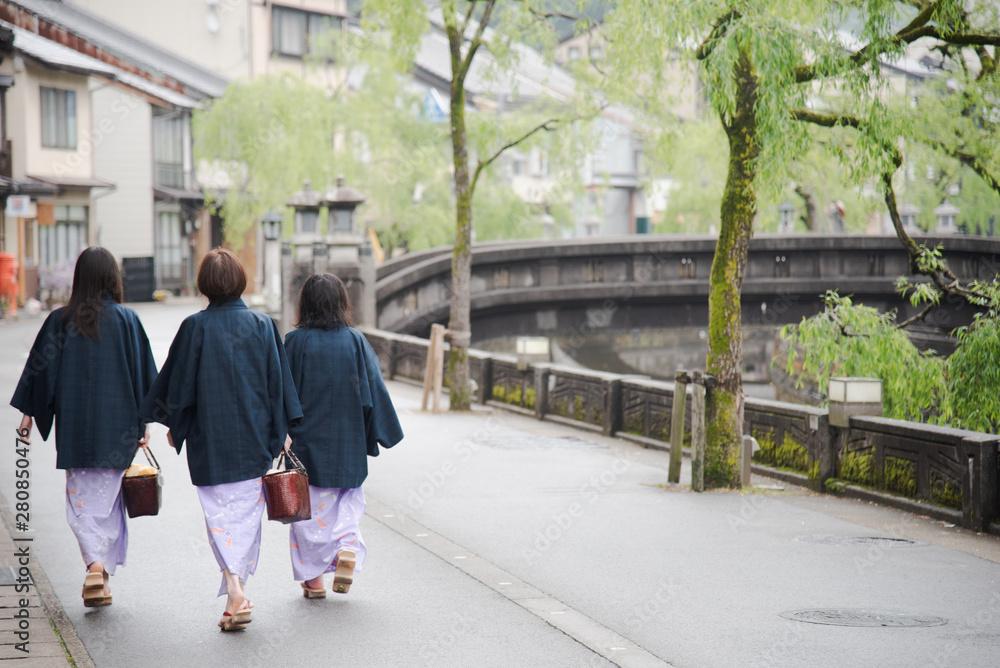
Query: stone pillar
[[612, 407], [677, 425], [367, 308], [980, 494], [287, 310]]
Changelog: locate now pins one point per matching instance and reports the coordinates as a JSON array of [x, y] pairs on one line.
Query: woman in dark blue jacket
[[347, 413], [226, 390], [88, 370]]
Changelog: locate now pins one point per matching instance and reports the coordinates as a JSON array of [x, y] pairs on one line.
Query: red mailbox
[[8, 275]]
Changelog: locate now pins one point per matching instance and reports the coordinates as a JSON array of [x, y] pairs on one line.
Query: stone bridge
[[571, 287]]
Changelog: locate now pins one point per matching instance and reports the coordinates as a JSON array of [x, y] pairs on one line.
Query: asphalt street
[[497, 540]]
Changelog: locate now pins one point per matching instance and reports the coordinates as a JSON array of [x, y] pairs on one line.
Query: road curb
[[53, 608]]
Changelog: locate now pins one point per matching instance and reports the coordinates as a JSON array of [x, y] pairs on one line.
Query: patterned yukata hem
[[314, 543], [95, 510], [233, 513]]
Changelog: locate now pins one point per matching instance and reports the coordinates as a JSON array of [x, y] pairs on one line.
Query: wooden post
[[677, 425], [437, 335], [698, 432], [429, 373]]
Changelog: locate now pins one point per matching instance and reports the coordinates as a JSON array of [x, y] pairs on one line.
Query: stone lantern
[[306, 203], [342, 251], [340, 203], [946, 215]]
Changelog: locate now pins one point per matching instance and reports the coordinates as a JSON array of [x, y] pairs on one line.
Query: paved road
[[496, 540]]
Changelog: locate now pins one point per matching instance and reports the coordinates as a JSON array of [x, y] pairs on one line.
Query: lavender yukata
[[347, 414], [334, 527], [232, 516], [95, 511], [91, 390], [226, 390]]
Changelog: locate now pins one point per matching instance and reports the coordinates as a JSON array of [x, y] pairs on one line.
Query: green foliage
[[849, 339], [266, 136], [859, 466], [974, 376], [789, 455], [901, 476]]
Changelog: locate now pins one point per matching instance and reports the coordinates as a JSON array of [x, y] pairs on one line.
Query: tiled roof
[[56, 55], [198, 81], [62, 57]]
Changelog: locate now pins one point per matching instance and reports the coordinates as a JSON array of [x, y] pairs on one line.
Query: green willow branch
[[719, 31], [916, 29], [943, 278]]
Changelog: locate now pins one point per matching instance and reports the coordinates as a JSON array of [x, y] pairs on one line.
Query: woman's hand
[[288, 442], [144, 441], [170, 440], [24, 431]]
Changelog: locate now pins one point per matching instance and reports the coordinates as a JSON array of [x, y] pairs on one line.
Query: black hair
[[324, 303], [95, 275]]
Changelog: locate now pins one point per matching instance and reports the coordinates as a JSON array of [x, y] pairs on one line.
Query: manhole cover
[[866, 541], [868, 618], [523, 441]]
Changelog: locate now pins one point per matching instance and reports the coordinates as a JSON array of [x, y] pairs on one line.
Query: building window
[[574, 53], [58, 118], [63, 241], [169, 255], [295, 32], [595, 53], [168, 149]]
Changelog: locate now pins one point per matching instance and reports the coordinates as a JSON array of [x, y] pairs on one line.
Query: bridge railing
[[947, 474]]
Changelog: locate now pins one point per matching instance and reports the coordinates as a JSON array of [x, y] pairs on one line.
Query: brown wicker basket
[[144, 493], [287, 492]]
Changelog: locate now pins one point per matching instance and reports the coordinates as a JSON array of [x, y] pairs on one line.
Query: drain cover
[[868, 618], [522, 441], [866, 541]]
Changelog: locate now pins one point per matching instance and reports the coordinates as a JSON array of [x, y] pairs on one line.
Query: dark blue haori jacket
[[92, 389], [346, 408], [226, 389]]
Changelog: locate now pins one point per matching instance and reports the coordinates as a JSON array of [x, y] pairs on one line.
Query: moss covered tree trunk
[[724, 415], [461, 263], [459, 325]]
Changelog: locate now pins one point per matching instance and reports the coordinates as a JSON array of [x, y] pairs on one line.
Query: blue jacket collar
[[231, 304]]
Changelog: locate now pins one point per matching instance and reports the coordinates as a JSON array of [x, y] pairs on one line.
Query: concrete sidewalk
[[498, 540]]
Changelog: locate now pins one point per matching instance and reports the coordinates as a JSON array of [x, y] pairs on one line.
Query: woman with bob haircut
[[88, 370], [347, 413], [226, 390]]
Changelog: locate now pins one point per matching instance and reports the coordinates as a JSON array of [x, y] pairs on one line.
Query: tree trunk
[[724, 416], [810, 201], [461, 261]]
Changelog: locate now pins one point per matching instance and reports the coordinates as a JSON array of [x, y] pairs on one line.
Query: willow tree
[[779, 76], [470, 28]]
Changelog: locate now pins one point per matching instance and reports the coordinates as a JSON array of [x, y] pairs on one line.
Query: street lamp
[[271, 225], [785, 209], [853, 396], [306, 203], [340, 203]]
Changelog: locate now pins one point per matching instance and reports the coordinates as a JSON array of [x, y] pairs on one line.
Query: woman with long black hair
[[347, 413], [88, 370]]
